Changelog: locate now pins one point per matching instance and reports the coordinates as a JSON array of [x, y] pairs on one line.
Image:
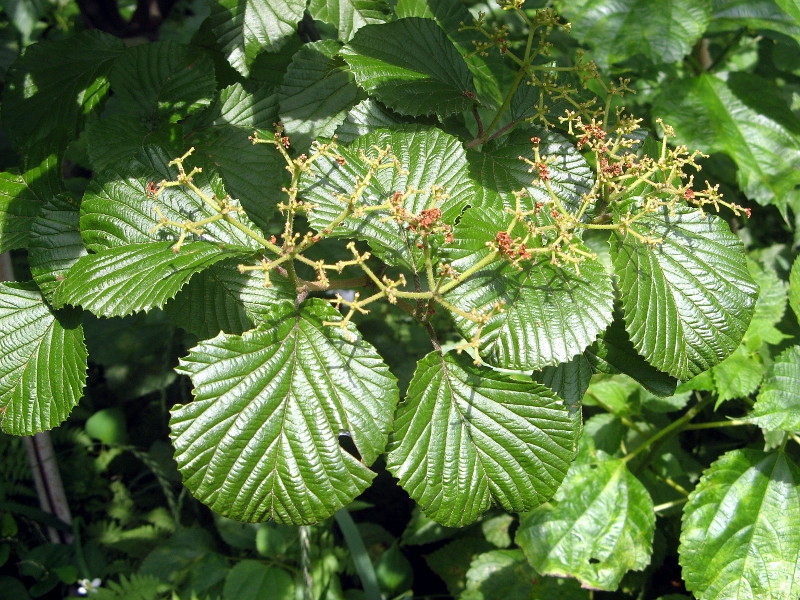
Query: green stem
[[715, 424], [358, 551]]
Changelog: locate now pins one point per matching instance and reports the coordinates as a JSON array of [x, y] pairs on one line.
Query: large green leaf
[[365, 117], [745, 117], [42, 361], [261, 439], [500, 170], [411, 67], [768, 16], [551, 313], [740, 538], [162, 79], [116, 139], [117, 210], [55, 246], [778, 403], [245, 28], [348, 16], [316, 93], [221, 298], [429, 157], [124, 280], [467, 437], [688, 300], [51, 88], [19, 205], [663, 31], [599, 525]]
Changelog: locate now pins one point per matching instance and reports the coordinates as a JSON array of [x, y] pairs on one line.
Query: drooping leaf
[[599, 525], [19, 205], [221, 298], [688, 300], [428, 157], [614, 353], [54, 85], [467, 437], [778, 403], [768, 16], [365, 117], [117, 209], [499, 170], [124, 280], [739, 537], [348, 16], [550, 313], [316, 93], [42, 361], [663, 31], [55, 246], [744, 117], [794, 288], [260, 440], [162, 79], [411, 67], [246, 28]]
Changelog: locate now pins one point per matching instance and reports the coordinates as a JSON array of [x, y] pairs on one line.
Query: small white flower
[[86, 587]]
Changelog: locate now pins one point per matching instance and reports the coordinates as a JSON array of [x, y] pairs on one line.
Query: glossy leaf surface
[[467, 437], [261, 439]]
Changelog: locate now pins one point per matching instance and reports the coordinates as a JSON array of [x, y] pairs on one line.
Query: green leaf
[[599, 525], [467, 437], [115, 140], [739, 537], [737, 376], [221, 298], [778, 403], [688, 300], [794, 288], [770, 306], [54, 85], [245, 28], [162, 80], [664, 31], [411, 67], [366, 117], [251, 579], [348, 16], [121, 281], [224, 147], [42, 361], [116, 209], [550, 313], [55, 246], [260, 440], [499, 170], [499, 574], [614, 353], [428, 157], [568, 380], [19, 205], [760, 15], [744, 117], [316, 93]]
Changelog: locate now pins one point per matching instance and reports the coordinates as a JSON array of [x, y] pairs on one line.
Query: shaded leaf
[[260, 440], [121, 281], [315, 93], [568, 380], [599, 525], [739, 537], [688, 300], [794, 288], [252, 579], [411, 67], [778, 16], [365, 117], [42, 361], [467, 437], [19, 205], [348, 16]]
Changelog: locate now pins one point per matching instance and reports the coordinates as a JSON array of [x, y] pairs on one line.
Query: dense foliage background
[[715, 461]]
